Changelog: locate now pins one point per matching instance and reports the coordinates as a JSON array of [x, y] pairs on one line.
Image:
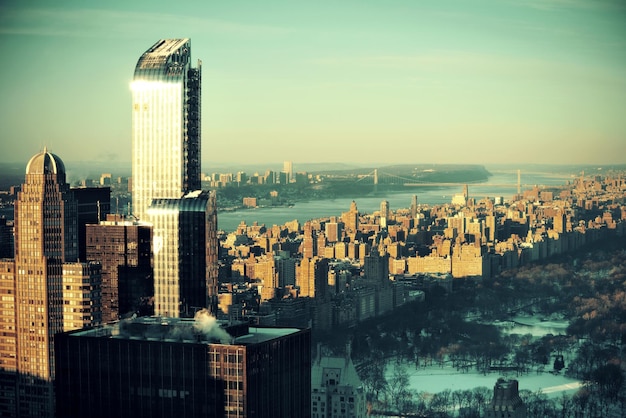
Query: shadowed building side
[[173, 367], [506, 402], [123, 246]]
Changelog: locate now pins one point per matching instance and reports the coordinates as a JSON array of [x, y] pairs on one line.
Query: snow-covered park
[[435, 378]]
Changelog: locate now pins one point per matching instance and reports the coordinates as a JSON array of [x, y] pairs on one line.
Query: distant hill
[[262, 167], [11, 174], [431, 172]]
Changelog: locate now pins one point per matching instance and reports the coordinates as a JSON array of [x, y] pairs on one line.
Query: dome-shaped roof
[[45, 163]]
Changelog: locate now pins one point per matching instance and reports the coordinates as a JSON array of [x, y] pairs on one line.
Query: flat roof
[[166, 47], [185, 330], [259, 334]]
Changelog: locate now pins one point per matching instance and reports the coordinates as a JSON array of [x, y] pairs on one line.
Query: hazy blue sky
[[389, 81]]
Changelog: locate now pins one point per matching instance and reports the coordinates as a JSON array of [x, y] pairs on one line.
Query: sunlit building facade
[[165, 124], [384, 213], [185, 248], [81, 295], [123, 247], [45, 290]]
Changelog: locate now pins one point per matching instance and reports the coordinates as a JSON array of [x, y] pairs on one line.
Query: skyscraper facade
[[173, 367], [44, 289], [384, 213], [123, 246], [288, 171], [46, 235], [414, 206], [94, 204], [351, 218], [185, 248], [165, 124]]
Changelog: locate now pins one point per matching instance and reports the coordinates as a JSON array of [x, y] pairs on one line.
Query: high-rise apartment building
[[165, 124], [8, 340], [351, 218], [333, 231], [185, 248], [376, 266], [46, 235], [167, 179], [173, 367], [385, 212], [94, 204], [288, 171], [286, 270], [414, 206], [312, 277], [123, 247], [81, 295], [309, 243], [44, 289]]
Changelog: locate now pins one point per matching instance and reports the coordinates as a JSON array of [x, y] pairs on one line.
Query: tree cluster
[[587, 288]]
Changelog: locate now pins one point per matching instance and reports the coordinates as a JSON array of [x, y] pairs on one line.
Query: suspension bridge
[[381, 178]]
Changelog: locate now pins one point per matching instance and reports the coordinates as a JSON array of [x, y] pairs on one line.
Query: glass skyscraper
[[185, 248], [165, 124], [166, 179]]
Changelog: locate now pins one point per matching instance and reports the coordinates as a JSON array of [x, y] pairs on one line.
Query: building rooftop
[[45, 163], [165, 47], [340, 369], [166, 59], [203, 329]]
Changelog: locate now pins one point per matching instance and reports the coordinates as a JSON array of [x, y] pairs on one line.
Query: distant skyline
[[388, 82]]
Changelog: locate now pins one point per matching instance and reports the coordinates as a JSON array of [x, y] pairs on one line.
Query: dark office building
[[173, 367], [123, 247]]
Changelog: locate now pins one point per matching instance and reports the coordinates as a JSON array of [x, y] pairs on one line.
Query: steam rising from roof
[[207, 325], [203, 328]]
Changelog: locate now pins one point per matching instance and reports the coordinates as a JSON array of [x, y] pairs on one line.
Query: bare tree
[[398, 388]]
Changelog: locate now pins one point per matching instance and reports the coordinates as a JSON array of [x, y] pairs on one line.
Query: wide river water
[[502, 183]]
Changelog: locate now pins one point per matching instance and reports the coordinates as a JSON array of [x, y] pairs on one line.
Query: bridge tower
[[375, 177], [519, 181]]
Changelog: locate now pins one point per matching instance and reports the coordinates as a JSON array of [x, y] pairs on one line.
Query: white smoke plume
[[207, 325]]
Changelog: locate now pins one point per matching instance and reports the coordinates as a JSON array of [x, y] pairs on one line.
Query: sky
[[388, 81]]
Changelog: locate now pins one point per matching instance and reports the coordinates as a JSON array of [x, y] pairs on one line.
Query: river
[[502, 183], [315, 209]]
